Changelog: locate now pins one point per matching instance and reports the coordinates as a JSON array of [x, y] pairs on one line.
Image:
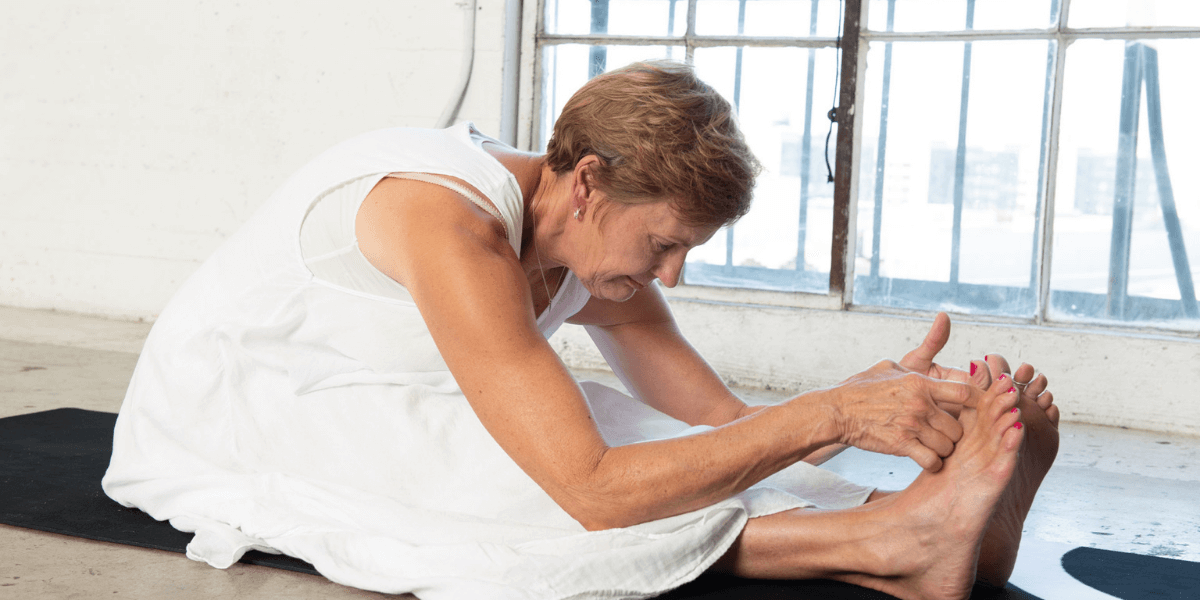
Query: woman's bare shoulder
[[403, 221]]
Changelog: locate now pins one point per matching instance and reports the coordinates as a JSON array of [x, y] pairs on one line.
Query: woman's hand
[[921, 358], [981, 372], [892, 410]]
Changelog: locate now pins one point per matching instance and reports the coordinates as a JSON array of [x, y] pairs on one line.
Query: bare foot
[[1040, 419], [941, 517]]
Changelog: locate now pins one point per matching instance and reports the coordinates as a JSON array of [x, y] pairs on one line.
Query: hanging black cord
[[833, 112]]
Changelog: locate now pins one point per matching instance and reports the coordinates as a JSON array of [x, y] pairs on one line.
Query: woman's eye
[[660, 247]]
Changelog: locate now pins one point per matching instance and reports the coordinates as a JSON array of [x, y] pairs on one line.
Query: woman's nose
[[670, 268]]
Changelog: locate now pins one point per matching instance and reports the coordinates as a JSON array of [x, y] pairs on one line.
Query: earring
[[579, 214]]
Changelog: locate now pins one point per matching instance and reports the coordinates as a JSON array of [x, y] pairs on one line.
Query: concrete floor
[[1114, 489]]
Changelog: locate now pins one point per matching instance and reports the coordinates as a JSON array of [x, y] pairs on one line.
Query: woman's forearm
[[884, 409], [653, 480], [817, 457]]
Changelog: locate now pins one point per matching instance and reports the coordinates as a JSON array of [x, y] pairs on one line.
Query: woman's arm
[[641, 341], [475, 298]]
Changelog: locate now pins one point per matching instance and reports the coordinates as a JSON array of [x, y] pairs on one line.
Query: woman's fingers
[[947, 426], [922, 455], [921, 358], [953, 392], [894, 411], [935, 440]]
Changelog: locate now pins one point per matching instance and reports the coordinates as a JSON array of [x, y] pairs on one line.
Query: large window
[[1028, 160]]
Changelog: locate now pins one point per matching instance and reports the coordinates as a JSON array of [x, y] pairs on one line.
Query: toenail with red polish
[[1003, 376], [974, 367], [1012, 389], [1015, 410], [1018, 425]]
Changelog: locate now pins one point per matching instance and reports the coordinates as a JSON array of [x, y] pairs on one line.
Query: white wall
[[136, 135]]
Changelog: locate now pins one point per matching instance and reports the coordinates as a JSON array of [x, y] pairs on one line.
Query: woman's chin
[[628, 293], [613, 291]]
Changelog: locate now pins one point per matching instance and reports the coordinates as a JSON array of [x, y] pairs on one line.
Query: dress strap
[[446, 182]]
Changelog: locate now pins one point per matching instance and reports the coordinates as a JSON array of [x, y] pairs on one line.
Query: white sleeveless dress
[[290, 399]]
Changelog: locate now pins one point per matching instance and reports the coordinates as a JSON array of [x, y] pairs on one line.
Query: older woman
[[360, 378]]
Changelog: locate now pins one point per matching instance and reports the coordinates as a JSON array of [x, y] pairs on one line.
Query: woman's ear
[[584, 191]]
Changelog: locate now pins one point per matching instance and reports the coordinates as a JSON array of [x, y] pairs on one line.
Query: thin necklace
[[561, 278]]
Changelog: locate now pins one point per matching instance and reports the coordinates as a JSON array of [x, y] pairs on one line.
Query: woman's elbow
[[599, 505], [599, 519]]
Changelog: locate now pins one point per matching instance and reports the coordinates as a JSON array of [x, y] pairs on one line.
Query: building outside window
[[1023, 160]]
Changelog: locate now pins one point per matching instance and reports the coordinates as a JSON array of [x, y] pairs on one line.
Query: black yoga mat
[[51, 464]]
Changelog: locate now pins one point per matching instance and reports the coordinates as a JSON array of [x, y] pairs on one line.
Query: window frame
[[855, 39]]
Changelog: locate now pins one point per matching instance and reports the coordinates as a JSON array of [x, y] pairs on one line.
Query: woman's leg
[[922, 542], [1002, 539], [1040, 419]]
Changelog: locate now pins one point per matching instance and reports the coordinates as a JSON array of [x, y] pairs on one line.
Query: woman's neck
[[538, 195]]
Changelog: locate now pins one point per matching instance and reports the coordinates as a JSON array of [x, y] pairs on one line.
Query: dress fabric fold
[[291, 399]]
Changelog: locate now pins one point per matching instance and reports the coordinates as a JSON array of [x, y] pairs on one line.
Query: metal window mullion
[[698, 41], [964, 35], [1131, 33], [1047, 102], [737, 108], [1100, 33], [689, 36], [1050, 191], [960, 153], [671, 25], [537, 80], [806, 143], [845, 185], [598, 55], [881, 145]]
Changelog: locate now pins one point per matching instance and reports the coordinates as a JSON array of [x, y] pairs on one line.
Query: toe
[[1006, 401], [999, 398], [1052, 414], [1012, 437], [1035, 386], [1007, 420], [981, 375], [1024, 372], [1045, 400], [997, 365]]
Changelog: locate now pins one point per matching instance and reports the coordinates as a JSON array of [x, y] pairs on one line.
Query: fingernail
[[974, 367], [1018, 425]]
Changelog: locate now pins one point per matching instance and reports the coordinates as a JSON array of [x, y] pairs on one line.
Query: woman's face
[[631, 246]]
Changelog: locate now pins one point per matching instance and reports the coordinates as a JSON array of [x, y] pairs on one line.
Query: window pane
[[567, 67], [989, 176], [951, 15], [777, 246], [768, 18], [1137, 13], [616, 17], [1109, 178]]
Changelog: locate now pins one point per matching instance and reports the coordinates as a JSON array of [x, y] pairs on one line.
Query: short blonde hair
[[659, 132]]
